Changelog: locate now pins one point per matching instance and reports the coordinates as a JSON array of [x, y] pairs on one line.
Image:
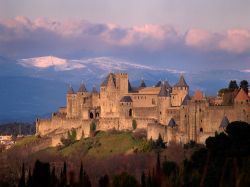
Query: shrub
[[71, 138], [134, 124], [93, 127]]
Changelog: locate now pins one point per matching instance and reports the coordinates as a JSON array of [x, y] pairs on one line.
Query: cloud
[[199, 38], [21, 38], [236, 41]]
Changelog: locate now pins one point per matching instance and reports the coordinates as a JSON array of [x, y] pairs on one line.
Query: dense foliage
[[224, 161]]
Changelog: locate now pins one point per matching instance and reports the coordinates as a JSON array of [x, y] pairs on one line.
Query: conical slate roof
[[130, 89], [142, 85], [70, 90], [94, 90], [158, 84], [185, 100], [164, 92], [106, 80], [126, 99], [241, 96], [82, 88], [224, 122], [181, 82], [166, 82], [171, 123]]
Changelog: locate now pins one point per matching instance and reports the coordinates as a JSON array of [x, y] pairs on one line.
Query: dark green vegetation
[[123, 159], [17, 128], [230, 92], [224, 162]]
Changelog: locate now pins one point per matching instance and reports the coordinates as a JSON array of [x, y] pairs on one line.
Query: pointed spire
[[94, 91], [129, 87], [181, 82], [158, 84], [111, 81], [106, 80], [164, 92], [70, 90], [82, 88], [224, 122], [142, 85]]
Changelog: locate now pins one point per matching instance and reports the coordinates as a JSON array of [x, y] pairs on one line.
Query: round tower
[[164, 102]]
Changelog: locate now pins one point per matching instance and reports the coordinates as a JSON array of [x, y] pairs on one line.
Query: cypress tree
[[143, 179], [22, 179]]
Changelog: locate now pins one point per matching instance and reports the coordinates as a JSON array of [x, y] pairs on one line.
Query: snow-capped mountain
[[92, 70]]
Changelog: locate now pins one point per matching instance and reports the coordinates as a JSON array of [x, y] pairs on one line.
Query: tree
[[71, 138], [93, 127], [143, 179], [22, 179], [244, 85], [134, 124], [81, 175], [233, 85], [64, 174], [41, 174], [159, 142], [124, 180], [104, 181]]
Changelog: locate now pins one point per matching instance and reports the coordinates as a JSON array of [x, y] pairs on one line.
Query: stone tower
[[70, 102], [83, 102], [180, 90], [164, 102]]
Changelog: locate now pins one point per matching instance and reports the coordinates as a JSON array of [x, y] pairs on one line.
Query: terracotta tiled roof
[[198, 95], [241, 96]]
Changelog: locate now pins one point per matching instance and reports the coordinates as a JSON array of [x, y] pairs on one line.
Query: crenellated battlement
[[161, 109]]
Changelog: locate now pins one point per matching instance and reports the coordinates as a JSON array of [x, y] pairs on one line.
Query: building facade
[[162, 109]]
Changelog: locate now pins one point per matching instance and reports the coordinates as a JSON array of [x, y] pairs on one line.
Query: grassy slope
[[103, 145], [25, 141]]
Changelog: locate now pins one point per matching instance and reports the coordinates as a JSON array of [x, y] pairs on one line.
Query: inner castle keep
[[161, 109]]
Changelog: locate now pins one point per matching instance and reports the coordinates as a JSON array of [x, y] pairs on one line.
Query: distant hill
[[17, 129]]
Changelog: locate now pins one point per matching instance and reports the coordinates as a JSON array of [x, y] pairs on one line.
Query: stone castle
[[162, 109]]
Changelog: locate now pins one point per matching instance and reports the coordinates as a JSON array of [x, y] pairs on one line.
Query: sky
[[184, 34]]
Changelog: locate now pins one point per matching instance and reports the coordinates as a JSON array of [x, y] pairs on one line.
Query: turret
[[82, 88], [180, 90], [142, 84], [126, 107], [70, 90], [164, 102], [70, 101]]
